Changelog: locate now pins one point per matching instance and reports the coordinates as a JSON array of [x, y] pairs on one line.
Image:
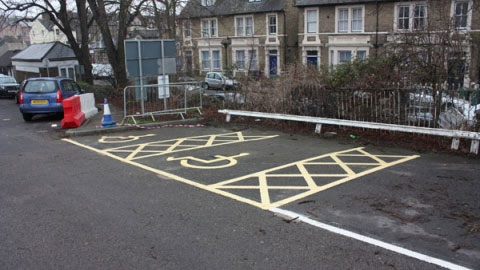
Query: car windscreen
[[40, 87], [5, 80]]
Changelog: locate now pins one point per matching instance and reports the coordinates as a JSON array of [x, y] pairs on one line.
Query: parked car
[[218, 80], [8, 86], [45, 95]]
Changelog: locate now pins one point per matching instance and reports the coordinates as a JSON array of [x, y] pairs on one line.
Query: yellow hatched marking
[[210, 141], [134, 153], [343, 165], [270, 187], [177, 145], [240, 137], [265, 197], [223, 187], [310, 186], [307, 176], [278, 168], [173, 146], [372, 156]]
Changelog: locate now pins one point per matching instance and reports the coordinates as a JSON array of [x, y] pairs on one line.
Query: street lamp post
[[226, 42]]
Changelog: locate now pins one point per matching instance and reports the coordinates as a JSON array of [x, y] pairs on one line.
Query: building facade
[[335, 32], [45, 60], [15, 27], [44, 31], [238, 36]]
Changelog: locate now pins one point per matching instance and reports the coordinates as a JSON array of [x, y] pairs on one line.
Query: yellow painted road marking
[[231, 161], [177, 145], [343, 165], [121, 139], [308, 188]]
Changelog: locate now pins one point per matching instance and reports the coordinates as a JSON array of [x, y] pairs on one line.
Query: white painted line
[[368, 240]]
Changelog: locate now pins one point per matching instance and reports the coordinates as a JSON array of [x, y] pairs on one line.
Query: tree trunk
[[115, 53]]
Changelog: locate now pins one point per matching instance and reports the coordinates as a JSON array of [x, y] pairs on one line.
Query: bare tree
[[165, 12], [62, 14], [432, 46], [124, 12]]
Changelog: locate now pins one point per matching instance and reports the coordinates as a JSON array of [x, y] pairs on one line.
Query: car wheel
[[205, 86], [27, 117], [16, 99]]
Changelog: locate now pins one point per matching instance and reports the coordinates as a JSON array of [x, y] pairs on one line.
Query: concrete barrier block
[[87, 102]]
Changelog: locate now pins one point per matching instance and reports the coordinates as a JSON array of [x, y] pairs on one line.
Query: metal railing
[[441, 110], [161, 99], [421, 105]]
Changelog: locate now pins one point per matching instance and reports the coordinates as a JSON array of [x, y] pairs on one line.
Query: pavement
[[93, 125]]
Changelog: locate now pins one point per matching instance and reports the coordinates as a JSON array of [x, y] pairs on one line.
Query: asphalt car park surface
[[195, 198], [420, 203]]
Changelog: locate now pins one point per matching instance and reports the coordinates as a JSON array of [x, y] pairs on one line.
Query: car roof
[[48, 79]]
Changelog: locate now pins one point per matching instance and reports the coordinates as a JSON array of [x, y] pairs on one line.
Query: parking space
[[388, 194], [262, 169]]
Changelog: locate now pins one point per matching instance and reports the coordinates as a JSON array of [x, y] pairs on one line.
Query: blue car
[[45, 96]]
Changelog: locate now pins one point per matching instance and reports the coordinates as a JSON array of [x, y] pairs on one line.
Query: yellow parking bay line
[[301, 182], [309, 187], [164, 147], [165, 174]]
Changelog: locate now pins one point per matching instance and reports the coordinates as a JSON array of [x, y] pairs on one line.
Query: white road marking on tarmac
[[369, 240]]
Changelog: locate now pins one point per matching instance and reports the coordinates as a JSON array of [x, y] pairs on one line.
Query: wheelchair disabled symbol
[[186, 161]]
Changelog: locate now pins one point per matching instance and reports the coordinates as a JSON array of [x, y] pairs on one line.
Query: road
[[228, 198]]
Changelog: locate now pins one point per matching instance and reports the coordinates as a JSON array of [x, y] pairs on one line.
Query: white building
[[44, 31]]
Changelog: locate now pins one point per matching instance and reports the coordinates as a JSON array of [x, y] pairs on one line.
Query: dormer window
[[208, 3]]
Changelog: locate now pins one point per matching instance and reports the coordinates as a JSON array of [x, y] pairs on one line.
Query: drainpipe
[[376, 32], [285, 39]]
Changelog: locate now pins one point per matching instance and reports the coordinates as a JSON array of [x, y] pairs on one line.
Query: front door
[[273, 63]]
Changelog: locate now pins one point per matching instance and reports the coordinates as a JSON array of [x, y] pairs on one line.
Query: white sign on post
[[163, 88]]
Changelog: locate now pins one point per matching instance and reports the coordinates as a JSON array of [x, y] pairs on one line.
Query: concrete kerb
[[100, 131]]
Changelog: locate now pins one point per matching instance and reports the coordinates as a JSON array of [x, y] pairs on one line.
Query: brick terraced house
[[242, 36], [265, 35], [332, 32]]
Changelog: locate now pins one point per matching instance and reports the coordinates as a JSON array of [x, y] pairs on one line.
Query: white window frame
[[250, 59], [201, 60], [469, 14], [246, 58], [306, 20], [208, 3], [209, 27], [66, 68], [219, 59], [244, 26], [189, 29], [339, 10], [251, 1], [350, 18], [335, 55], [211, 60], [342, 51], [268, 24], [411, 18]]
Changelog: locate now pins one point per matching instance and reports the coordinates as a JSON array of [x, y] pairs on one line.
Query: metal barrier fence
[[430, 106], [161, 99]]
